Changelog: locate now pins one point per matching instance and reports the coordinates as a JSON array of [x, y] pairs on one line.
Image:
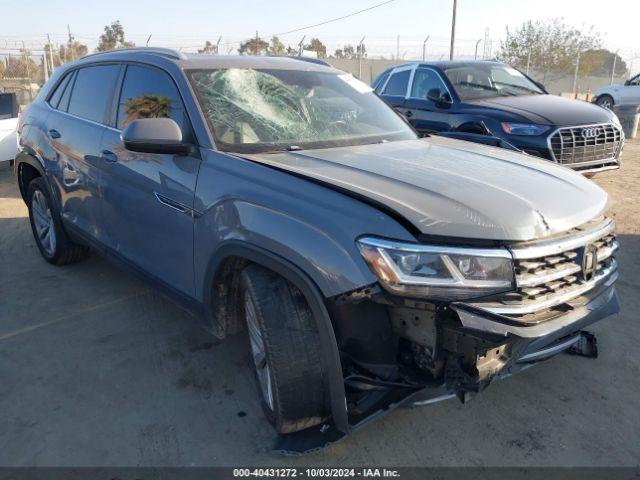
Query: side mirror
[[154, 135], [627, 83], [439, 98]]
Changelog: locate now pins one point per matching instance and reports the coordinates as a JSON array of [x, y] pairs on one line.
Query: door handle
[[409, 114], [109, 156], [53, 133]]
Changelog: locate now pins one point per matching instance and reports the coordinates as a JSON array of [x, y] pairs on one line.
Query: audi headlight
[[524, 128], [438, 272]]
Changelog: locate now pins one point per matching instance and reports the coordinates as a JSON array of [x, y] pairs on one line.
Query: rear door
[[424, 114], [148, 198], [75, 127]]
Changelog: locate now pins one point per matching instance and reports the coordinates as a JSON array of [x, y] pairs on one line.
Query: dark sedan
[[492, 98]]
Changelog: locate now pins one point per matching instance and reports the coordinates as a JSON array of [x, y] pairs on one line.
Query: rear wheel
[[285, 351], [605, 101], [51, 239]]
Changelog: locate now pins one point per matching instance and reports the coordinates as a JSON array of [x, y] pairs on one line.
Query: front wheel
[[285, 349], [605, 101]]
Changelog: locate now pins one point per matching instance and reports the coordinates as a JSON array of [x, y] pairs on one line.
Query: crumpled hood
[[447, 187], [548, 109]]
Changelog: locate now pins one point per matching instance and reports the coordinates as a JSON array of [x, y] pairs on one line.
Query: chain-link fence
[[23, 74], [26, 64]]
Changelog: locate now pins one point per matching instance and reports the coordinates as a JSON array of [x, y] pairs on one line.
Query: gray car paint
[[444, 187], [451, 188]]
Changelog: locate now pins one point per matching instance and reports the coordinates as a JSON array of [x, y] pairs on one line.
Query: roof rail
[[165, 52]]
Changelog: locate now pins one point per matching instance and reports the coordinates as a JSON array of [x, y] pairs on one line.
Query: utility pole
[[218, 44], [453, 29], [257, 39], [26, 63], [475, 56], [50, 53], [300, 45], [613, 70], [70, 46], [424, 48], [575, 74], [360, 58], [528, 60]]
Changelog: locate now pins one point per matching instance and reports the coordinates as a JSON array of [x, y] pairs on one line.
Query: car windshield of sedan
[[251, 111], [473, 82]]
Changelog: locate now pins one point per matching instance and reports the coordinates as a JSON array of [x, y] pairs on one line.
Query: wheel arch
[[28, 167], [222, 283]]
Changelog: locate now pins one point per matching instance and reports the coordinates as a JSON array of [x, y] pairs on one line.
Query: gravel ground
[[97, 369]]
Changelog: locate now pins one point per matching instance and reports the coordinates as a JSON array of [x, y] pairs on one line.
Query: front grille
[[549, 273], [585, 144]]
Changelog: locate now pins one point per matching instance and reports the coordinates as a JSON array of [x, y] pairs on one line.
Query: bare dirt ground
[[97, 369]]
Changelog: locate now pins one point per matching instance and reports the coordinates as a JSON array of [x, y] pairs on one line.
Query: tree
[[292, 52], [317, 46], [248, 47], [208, 48], [113, 37], [73, 50], [2, 69], [600, 62], [276, 48], [549, 46], [347, 52]]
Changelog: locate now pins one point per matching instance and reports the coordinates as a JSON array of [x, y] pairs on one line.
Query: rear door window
[[149, 92], [92, 93], [397, 84]]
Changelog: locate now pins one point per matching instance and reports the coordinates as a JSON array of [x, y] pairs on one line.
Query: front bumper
[[480, 348]]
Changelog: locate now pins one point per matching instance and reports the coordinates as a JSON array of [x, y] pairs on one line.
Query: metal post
[[613, 70], [575, 74], [70, 46], [218, 44], [50, 53], [300, 45], [26, 64], [453, 29], [256, 49], [528, 60], [475, 56], [148, 40], [360, 58], [424, 48]]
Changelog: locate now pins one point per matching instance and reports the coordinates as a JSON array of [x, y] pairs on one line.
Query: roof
[[452, 63], [207, 61]]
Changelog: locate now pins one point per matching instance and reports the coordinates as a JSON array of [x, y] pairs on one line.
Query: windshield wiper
[[520, 87], [478, 85]]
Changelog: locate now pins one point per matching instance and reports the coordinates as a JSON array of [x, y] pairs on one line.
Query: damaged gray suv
[[282, 200]]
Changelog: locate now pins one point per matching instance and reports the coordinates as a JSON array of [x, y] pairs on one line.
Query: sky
[[188, 23]]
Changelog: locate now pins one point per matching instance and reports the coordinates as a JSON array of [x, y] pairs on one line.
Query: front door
[[630, 93], [147, 197], [424, 114]]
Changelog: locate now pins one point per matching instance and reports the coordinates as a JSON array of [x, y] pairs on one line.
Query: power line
[[333, 19]]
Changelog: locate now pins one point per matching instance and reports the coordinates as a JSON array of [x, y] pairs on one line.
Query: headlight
[[438, 272], [524, 129]]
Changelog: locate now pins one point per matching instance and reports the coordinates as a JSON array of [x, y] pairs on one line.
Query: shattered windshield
[[253, 111]]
